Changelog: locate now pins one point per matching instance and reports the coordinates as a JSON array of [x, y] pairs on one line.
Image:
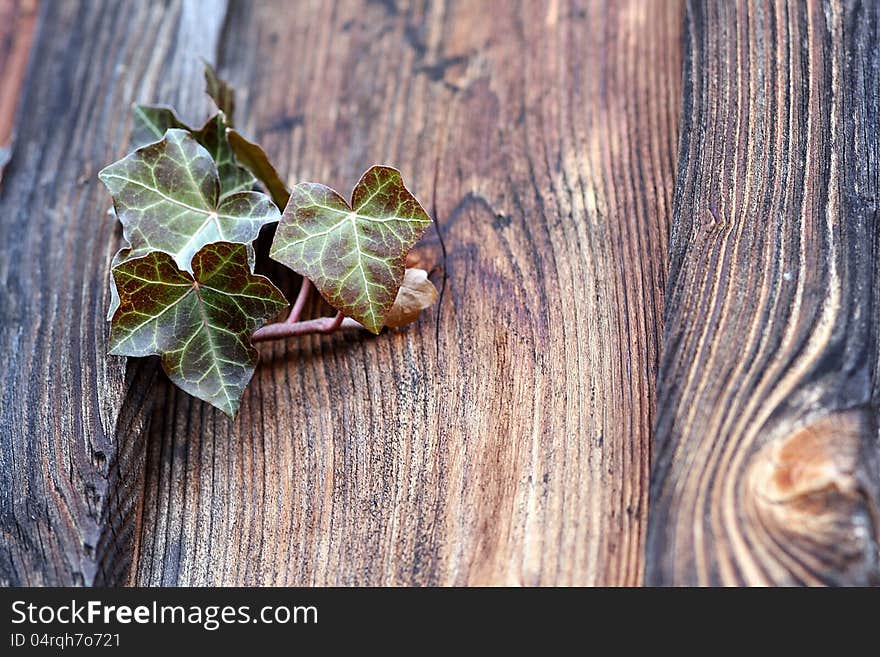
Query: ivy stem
[[287, 329], [301, 298]]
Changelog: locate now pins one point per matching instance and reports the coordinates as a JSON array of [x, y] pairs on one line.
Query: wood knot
[[815, 501]]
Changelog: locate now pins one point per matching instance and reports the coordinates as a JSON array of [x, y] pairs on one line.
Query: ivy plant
[[192, 203]]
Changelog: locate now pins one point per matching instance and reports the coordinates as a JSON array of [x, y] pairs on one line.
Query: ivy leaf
[[353, 253], [151, 122], [167, 196], [416, 293], [127, 253], [254, 158], [220, 92], [200, 323], [233, 177]]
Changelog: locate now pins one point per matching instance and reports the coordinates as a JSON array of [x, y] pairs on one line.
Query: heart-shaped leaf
[[200, 323], [355, 253], [167, 196]]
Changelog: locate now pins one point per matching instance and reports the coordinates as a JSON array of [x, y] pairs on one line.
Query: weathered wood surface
[[71, 444], [504, 439], [766, 466], [17, 23]]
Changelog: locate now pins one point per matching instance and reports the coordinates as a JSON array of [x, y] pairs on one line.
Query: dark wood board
[[766, 468], [71, 420]]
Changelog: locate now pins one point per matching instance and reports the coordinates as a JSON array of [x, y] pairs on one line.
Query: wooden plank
[[505, 438], [70, 417], [766, 469], [17, 23]]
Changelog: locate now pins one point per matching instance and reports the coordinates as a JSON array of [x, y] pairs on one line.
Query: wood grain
[[505, 438], [17, 23], [766, 469], [71, 419]]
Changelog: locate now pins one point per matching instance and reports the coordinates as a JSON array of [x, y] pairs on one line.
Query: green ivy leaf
[[167, 196], [254, 158], [355, 254], [127, 253], [233, 177], [151, 122], [220, 92], [200, 323]]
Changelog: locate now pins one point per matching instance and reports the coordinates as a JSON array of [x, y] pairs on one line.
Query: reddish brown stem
[[281, 330], [300, 302]]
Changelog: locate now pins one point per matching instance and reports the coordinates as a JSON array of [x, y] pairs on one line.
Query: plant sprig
[[184, 287]]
